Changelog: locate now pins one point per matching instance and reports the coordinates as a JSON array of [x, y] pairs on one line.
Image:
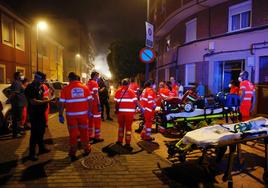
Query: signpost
[[149, 35], [147, 55]]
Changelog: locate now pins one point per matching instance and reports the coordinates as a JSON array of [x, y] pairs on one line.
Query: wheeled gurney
[[220, 136]]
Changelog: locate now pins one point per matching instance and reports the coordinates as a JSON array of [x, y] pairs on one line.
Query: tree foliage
[[123, 59]]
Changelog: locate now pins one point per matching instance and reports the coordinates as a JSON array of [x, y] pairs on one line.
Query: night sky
[[107, 20]]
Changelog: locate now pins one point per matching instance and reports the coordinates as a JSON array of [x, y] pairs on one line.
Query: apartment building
[[14, 45], [212, 41]]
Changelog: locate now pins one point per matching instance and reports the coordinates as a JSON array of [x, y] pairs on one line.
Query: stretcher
[[185, 121], [221, 136]]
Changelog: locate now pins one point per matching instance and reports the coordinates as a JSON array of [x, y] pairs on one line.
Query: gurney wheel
[[182, 158]]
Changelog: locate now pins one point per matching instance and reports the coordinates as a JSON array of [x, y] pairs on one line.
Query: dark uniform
[[18, 102], [37, 117]]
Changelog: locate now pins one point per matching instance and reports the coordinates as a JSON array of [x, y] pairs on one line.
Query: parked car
[[5, 110]]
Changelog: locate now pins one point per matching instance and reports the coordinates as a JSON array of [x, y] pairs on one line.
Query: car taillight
[[1, 106]]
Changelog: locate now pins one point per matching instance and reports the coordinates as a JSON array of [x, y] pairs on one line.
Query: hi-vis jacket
[[134, 86], [93, 88], [249, 89], [148, 99], [128, 101], [75, 97]]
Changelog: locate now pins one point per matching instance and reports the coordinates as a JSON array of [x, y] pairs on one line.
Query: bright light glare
[[77, 55], [42, 25], [109, 75], [101, 65], [111, 87]]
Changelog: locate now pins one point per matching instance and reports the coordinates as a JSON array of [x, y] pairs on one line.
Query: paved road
[[138, 169]]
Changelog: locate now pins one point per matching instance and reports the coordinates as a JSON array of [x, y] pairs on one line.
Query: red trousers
[[78, 125], [146, 132], [24, 116], [125, 121], [245, 111], [94, 123]]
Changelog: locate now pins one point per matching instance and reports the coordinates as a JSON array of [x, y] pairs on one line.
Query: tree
[[123, 59]]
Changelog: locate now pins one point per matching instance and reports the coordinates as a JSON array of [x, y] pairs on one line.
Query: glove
[[61, 119], [99, 108], [154, 106], [142, 110], [90, 115]]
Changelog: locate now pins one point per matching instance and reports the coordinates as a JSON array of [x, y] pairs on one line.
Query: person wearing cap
[[76, 99], [94, 125], [37, 106]]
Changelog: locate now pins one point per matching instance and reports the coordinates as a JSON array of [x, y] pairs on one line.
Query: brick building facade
[[212, 41]]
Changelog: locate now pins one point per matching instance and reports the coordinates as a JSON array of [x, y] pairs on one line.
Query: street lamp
[[42, 26]]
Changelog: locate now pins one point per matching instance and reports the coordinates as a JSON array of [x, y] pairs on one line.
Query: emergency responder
[[233, 88], [247, 96], [37, 106], [174, 85], [77, 100], [126, 102], [46, 96], [134, 86], [95, 120], [172, 92], [148, 102], [163, 93]]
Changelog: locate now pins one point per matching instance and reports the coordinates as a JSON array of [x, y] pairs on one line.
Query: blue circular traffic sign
[[147, 55]]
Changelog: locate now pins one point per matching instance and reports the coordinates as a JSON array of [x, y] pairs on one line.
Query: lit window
[[19, 36], [191, 30], [190, 74], [7, 31], [240, 16]]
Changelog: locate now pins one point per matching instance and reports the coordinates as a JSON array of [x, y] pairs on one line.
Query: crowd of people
[[84, 107]]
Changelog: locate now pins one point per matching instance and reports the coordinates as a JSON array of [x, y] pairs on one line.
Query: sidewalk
[[139, 169]]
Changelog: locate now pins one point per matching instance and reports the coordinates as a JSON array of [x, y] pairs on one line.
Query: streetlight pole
[[147, 64], [37, 46], [42, 26]]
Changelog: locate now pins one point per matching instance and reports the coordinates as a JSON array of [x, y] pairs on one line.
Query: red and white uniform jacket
[[175, 91], [134, 86], [162, 94], [148, 99], [94, 90], [75, 97], [46, 93], [249, 89], [127, 100]]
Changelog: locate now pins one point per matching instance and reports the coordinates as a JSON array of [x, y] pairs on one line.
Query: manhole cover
[[97, 161]]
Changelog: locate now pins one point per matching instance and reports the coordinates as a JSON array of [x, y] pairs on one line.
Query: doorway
[[263, 86]]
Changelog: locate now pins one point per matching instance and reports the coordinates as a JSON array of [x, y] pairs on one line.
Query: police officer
[[37, 106], [18, 101]]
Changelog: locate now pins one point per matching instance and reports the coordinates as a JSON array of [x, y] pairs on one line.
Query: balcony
[[179, 12]]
